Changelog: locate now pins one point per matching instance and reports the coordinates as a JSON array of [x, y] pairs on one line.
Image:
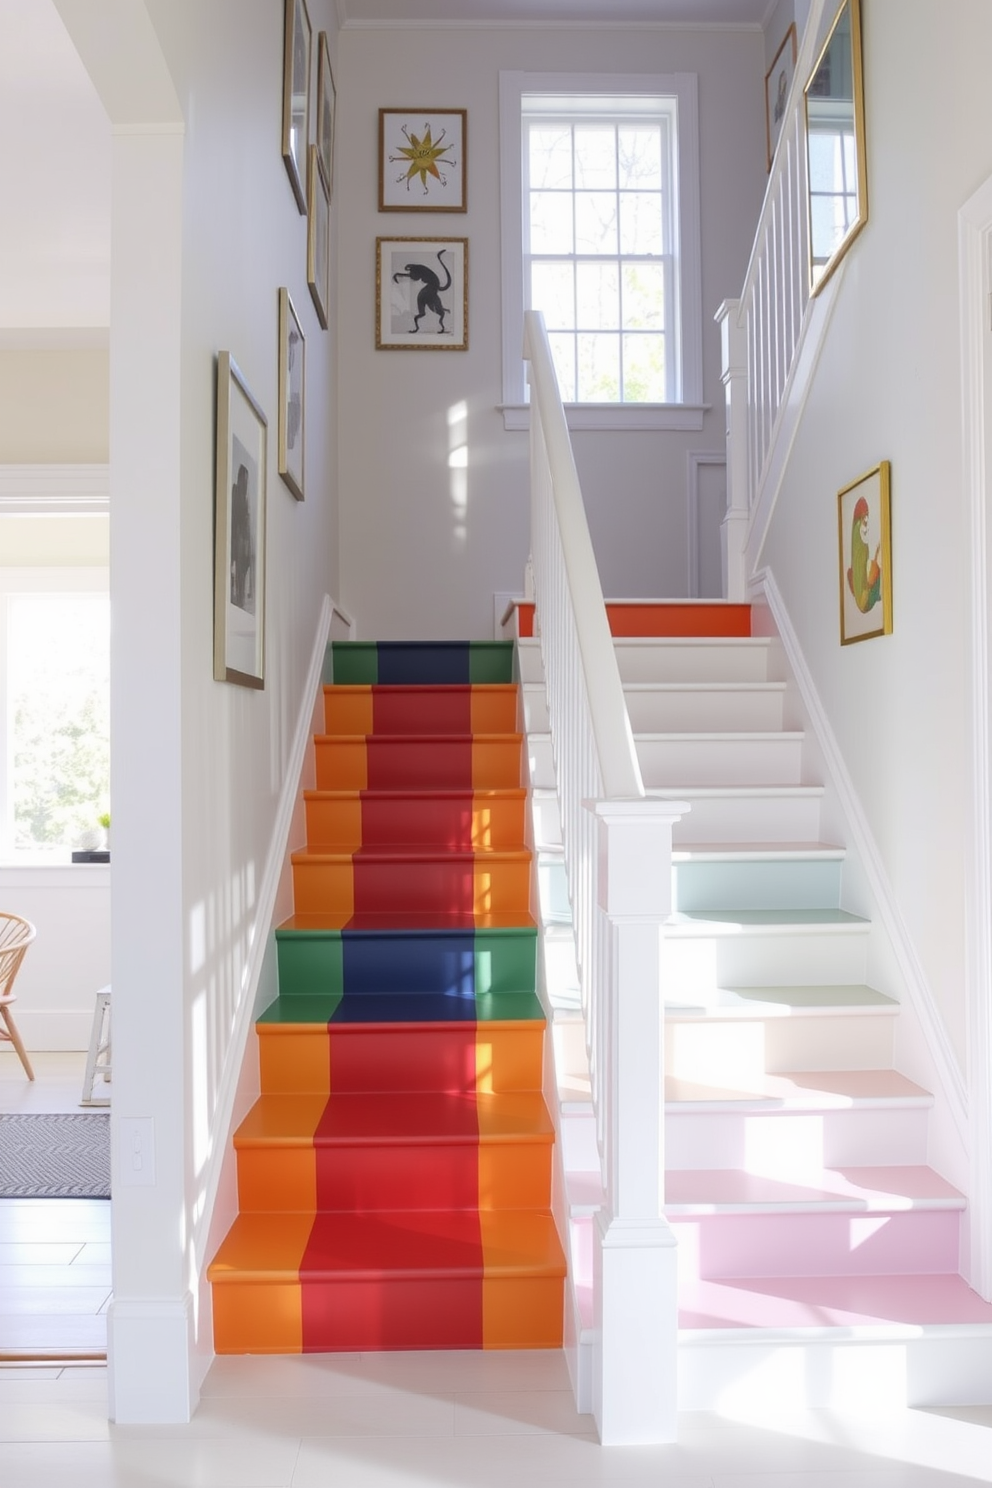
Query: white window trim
[[687, 414]]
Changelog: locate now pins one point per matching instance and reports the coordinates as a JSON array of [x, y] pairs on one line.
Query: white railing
[[766, 330], [617, 846]]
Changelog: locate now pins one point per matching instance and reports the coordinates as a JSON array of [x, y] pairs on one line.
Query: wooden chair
[[16, 934]]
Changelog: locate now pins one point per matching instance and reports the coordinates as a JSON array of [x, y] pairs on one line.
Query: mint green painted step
[[712, 881]]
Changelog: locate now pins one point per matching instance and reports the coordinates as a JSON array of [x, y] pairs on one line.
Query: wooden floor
[[55, 1282]]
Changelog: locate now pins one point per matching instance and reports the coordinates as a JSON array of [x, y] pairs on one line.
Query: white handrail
[[618, 859]]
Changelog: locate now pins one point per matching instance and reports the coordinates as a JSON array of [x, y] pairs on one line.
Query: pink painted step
[[831, 1302]]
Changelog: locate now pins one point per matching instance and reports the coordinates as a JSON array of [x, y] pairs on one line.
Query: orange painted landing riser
[[657, 618]]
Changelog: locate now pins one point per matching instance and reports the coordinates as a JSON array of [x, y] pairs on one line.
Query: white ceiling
[[55, 146], [706, 12]]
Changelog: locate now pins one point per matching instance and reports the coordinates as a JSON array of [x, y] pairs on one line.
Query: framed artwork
[[292, 395], [422, 160], [421, 294], [296, 96], [778, 81], [865, 538], [239, 530], [318, 233], [325, 111]]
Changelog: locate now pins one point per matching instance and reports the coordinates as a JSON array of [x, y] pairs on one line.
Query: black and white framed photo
[[239, 530], [422, 160], [421, 294], [292, 395], [296, 97]]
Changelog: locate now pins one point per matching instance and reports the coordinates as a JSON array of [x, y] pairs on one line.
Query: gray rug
[[63, 1156]]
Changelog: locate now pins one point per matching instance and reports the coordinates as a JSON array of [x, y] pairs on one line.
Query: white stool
[[98, 1065]]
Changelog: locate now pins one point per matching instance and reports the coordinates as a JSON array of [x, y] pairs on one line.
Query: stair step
[[419, 662], [653, 617], [745, 814], [367, 1151], [707, 949], [374, 709], [690, 759], [415, 761], [455, 960], [670, 707], [774, 878], [453, 819], [820, 1302], [699, 659], [402, 1279], [376, 880], [702, 1193]]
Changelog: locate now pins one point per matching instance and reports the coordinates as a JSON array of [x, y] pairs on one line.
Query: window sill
[[516, 416], [53, 875]]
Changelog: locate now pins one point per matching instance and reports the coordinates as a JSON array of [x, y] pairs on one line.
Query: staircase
[[394, 1176], [818, 1250]]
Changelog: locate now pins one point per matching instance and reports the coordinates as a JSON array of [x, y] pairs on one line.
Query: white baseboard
[[149, 1354], [52, 1030]]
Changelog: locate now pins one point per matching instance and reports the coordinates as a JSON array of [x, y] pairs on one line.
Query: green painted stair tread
[[310, 1010], [745, 1002]]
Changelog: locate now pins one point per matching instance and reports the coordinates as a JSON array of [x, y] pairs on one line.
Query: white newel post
[[636, 1323], [733, 345]]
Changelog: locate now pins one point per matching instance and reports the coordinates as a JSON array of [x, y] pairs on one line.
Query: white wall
[[54, 405], [409, 565], [887, 387]]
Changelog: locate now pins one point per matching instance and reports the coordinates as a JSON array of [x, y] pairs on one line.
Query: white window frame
[[683, 88]]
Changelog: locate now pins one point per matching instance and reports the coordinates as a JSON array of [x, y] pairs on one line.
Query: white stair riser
[[740, 1376], [789, 1144], [676, 761], [546, 818], [669, 710], [561, 974], [691, 967], [553, 891], [529, 663], [580, 1153], [713, 1052], [693, 661], [672, 709], [745, 818], [542, 764], [902, 1242], [798, 883]]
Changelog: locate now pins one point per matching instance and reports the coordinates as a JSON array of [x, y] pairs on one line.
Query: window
[[600, 207], [54, 685]]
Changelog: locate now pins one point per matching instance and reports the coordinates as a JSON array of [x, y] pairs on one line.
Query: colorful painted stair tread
[[395, 1174]]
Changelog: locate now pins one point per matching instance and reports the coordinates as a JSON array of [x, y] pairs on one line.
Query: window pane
[[550, 157], [551, 222], [596, 158], [595, 222], [644, 379], [59, 654], [563, 356], [552, 290], [640, 159], [641, 226], [643, 297], [599, 369], [598, 291], [825, 159]]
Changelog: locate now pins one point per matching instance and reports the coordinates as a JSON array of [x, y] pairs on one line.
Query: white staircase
[[818, 1251]]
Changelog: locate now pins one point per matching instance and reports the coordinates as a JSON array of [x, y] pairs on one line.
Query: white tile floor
[[450, 1420], [439, 1420]]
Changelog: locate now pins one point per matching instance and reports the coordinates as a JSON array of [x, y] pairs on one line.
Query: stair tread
[[419, 688], [425, 792], [757, 852], [801, 1090], [429, 736], [427, 922], [782, 1002], [389, 1243], [410, 852], [748, 792], [289, 1013], [727, 736], [403, 1118], [830, 1302], [738, 921], [848, 1189]]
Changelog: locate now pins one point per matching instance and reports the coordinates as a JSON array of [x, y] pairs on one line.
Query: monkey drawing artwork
[[429, 294]]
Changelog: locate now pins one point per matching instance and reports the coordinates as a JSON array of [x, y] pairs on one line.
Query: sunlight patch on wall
[[458, 468]]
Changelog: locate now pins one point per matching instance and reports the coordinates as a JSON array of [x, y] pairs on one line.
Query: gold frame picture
[[297, 44], [864, 534], [422, 160], [416, 309], [239, 530], [292, 396], [318, 241], [326, 99], [778, 81]]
